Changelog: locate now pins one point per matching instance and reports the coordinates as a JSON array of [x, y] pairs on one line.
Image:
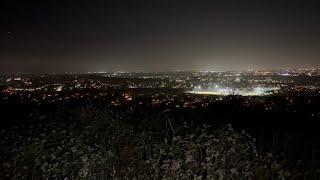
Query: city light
[[256, 91]]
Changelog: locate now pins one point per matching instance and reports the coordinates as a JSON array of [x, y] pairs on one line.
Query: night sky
[[158, 35]]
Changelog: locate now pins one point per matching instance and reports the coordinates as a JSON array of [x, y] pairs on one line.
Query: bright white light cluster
[[225, 91]]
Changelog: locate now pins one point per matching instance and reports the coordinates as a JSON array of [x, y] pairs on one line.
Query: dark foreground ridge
[[103, 144], [94, 141]]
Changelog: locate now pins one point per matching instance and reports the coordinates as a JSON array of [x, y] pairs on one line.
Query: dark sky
[[160, 35]]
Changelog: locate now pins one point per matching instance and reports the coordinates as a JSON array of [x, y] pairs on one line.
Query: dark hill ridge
[[90, 138]]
